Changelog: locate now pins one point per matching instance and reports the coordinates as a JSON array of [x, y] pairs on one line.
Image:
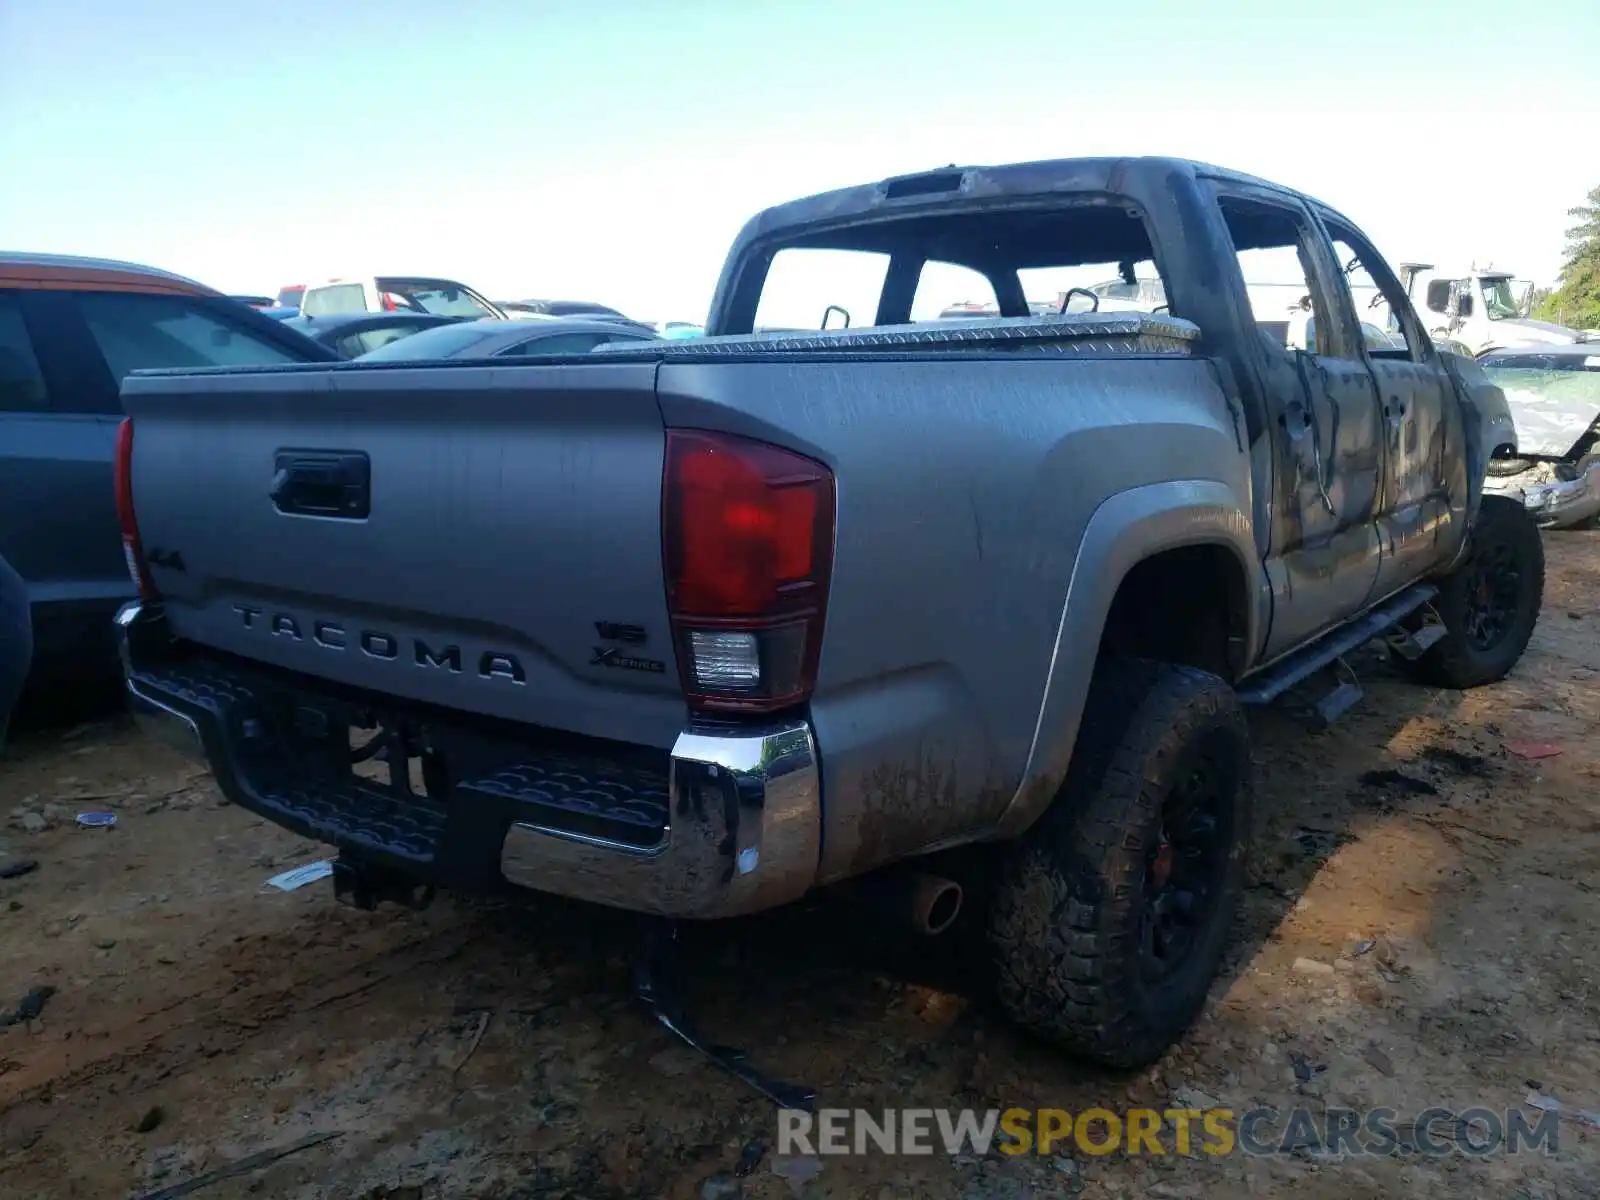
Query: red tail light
[[122, 477], [747, 547]]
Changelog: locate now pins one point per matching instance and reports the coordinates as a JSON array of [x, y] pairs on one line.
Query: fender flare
[[1125, 529]]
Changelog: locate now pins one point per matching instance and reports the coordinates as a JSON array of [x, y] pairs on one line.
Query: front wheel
[[1109, 916], [1490, 603]]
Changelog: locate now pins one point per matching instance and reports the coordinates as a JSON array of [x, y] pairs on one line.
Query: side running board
[[1299, 665]]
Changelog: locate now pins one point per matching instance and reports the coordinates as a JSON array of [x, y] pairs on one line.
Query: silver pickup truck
[[970, 609]]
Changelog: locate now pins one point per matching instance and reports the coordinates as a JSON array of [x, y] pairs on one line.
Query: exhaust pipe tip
[[935, 904]]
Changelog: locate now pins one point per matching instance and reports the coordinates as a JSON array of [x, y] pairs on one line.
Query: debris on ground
[[1375, 1055], [796, 1169], [153, 1116], [1388, 777], [1457, 761], [750, 1156], [1193, 1097], [96, 820], [13, 867], [1533, 749], [1550, 1104], [288, 881], [30, 820], [243, 1166], [30, 1007]]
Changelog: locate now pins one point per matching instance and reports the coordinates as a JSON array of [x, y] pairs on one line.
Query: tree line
[[1575, 302]]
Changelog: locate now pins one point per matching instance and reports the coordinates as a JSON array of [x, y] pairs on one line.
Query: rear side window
[[136, 332], [21, 382], [368, 340], [340, 298], [559, 343], [442, 341]]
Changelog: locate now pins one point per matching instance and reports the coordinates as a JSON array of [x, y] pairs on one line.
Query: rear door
[[133, 331], [58, 523], [1323, 413], [1422, 505]]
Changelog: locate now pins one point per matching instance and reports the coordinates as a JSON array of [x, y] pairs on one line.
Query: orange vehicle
[[70, 329]]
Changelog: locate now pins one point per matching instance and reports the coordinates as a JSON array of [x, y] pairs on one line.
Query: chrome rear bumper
[[744, 833]]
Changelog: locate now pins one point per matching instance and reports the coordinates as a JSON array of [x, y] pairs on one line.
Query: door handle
[[322, 483]]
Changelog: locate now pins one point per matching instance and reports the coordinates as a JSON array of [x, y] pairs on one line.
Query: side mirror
[[1464, 305]]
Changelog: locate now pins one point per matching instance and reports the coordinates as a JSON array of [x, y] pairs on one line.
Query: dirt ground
[[1417, 939]]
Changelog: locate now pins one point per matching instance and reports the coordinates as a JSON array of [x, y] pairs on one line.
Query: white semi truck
[[1482, 308]]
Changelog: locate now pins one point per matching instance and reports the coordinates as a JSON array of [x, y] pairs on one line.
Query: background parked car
[[679, 329], [560, 308], [70, 329], [353, 334], [393, 293], [1553, 392], [492, 339]]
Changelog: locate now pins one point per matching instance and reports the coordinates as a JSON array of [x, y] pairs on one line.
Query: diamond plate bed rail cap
[[1090, 333]]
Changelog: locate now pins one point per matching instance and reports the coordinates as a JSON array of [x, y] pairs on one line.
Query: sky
[[611, 151]]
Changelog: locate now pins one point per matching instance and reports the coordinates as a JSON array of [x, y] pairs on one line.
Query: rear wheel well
[[1188, 606]]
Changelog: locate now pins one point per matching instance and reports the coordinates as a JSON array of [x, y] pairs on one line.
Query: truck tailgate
[[508, 545]]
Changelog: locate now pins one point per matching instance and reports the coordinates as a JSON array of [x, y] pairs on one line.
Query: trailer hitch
[[654, 984]]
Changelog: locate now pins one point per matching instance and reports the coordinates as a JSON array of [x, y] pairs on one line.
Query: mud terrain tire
[[1072, 934], [1490, 603]]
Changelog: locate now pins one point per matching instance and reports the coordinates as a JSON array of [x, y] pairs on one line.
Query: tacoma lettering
[[384, 646], [449, 658]]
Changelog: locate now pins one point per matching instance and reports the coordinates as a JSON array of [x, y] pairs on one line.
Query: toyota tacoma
[[695, 628]]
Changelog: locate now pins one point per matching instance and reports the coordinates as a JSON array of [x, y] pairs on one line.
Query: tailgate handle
[[322, 483]]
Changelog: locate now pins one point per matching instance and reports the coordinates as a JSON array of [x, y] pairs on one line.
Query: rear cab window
[[140, 332], [821, 288], [1082, 256]]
